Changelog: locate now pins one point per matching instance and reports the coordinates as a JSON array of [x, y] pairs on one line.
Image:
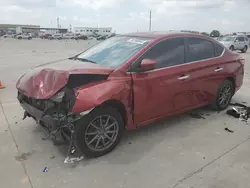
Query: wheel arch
[[232, 79], [117, 105]]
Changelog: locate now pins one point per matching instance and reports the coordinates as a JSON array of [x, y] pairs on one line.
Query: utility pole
[[150, 16], [70, 28], [58, 24]]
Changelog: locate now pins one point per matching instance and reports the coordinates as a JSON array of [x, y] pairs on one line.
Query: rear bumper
[[239, 78]]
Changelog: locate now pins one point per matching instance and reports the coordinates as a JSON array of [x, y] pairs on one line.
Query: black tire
[[84, 125], [217, 105], [29, 38], [231, 48], [244, 50], [19, 38]]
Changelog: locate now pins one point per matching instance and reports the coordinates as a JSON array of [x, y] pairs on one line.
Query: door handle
[[218, 69], [184, 77]]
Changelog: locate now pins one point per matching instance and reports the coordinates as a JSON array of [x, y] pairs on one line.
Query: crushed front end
[[56, 118]]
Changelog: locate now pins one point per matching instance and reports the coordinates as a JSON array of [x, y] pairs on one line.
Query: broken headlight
[[58, 97]]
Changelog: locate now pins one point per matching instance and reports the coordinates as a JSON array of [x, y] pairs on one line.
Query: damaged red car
[[127, 82]]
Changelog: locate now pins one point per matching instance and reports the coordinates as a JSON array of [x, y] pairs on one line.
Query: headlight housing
[[58, 97]]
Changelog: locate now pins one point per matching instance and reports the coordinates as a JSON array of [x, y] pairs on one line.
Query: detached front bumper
[[46, 120], [60, 130]]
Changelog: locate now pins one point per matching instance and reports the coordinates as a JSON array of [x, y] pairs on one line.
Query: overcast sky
[[131, 15]]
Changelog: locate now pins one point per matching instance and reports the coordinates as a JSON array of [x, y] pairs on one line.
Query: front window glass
[[115, 51], [227, 39]]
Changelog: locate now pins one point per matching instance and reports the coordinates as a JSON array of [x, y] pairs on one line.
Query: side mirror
[[148, 64]]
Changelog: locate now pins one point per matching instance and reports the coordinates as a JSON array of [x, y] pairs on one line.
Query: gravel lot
[[180, 152]]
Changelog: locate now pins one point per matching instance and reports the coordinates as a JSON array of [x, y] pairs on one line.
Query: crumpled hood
[[45, 81]]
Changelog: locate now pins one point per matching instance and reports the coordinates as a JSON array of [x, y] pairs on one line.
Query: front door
[[166, 88]]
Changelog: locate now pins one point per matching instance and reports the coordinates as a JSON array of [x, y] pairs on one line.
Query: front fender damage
[[56, 113], [94, 95]]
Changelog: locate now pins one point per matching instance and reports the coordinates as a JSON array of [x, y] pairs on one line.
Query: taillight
[[242, 60]]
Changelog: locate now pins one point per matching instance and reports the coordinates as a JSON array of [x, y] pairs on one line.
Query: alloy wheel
[[101, 133], [225, 95]]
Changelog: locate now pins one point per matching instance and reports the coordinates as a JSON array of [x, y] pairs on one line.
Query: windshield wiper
[[82, 59]]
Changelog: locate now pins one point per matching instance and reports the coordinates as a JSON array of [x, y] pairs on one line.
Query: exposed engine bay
[[55, 114]]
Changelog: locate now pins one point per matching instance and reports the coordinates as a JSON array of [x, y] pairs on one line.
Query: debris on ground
[[197, 115], [52, 157], [70, 160], [228, 130], [239, 111], [45, 169], [16, 122], [23, 157]]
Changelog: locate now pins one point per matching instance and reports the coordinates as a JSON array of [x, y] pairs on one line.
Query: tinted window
[[218, 49], [241, 39], [199, 49], [167, 53]]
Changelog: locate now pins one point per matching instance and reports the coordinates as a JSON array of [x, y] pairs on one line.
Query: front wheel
[[99, 132], [224, 96], [231, 48]]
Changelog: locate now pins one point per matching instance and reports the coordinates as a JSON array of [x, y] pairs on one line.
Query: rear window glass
[[199, 49], [218, 49]]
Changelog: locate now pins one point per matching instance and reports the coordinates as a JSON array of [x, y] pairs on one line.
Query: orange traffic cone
[[1, 85]]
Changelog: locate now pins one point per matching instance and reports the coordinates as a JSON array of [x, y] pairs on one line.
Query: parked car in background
[[57, 36], [24, 36], [81, 37], [45, 36], [235, 42], [103, 37], [16, 35], [111, 35], [2, 33], [68, 36], [8, 35], [248, 36], [127, 82]]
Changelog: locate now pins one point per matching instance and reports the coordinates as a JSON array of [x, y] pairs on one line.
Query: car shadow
[[140, 142]]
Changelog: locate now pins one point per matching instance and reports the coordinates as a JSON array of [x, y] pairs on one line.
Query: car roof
[[163, 34]]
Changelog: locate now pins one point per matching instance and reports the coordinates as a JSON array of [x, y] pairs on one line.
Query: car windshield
[[115, 51], [227, 38]]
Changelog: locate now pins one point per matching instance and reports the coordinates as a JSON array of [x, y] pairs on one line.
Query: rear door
[[237, 43], [165, 89], [241, 42], [205, 57]]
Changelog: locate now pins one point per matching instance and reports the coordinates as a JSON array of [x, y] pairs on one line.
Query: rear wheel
[[99, 132], [231, 48], [244, 50], [224, 95]]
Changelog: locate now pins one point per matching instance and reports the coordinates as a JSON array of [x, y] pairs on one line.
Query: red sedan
[[127, 82]]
